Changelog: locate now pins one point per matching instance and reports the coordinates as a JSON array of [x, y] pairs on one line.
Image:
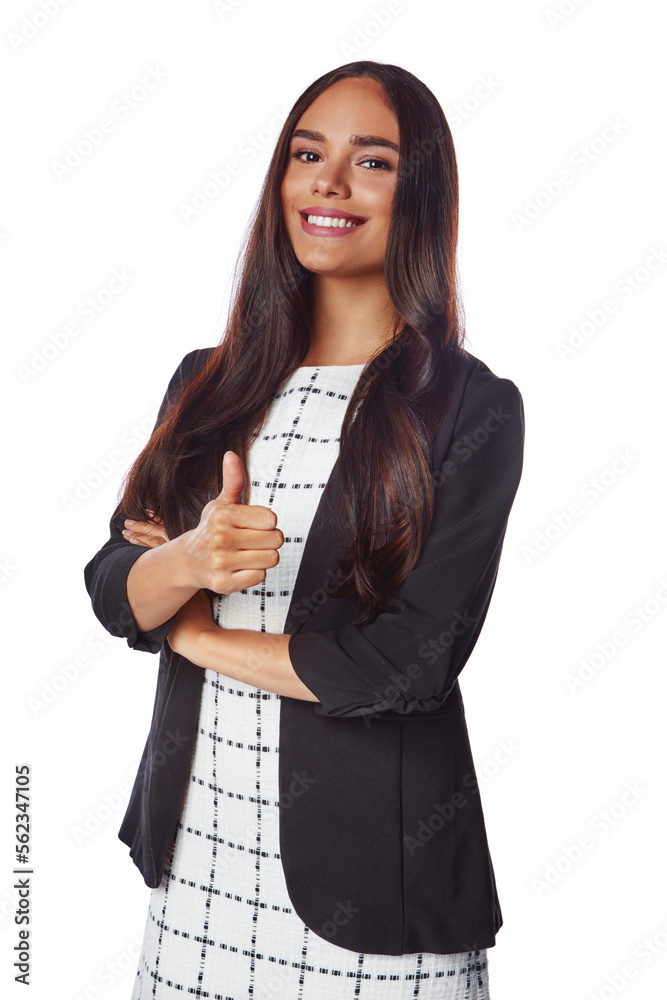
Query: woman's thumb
[[233, 478]]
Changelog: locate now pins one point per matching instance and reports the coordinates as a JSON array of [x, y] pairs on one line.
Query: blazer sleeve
[[408, 660], [106, 574]]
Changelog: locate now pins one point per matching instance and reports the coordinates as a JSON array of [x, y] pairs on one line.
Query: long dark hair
[[385, 453]]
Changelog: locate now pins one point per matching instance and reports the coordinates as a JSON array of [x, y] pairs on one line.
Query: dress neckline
[[361, 364]]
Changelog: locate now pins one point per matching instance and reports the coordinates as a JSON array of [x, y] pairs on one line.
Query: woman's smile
[[329, 222]]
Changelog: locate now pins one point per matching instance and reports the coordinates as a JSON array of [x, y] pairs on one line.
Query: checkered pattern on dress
[[221, 923]]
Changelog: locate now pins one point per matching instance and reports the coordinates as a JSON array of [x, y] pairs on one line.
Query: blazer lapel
[[317, 577]]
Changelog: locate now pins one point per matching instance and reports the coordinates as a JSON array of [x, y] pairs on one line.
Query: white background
[[526, 92]]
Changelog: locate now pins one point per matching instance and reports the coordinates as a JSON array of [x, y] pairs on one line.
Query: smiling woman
[[333, 175], [316, 831]]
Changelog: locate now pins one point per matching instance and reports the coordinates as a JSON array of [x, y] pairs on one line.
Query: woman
[[311, 538]]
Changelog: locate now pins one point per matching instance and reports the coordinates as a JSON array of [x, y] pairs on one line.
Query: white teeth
[[335, 223]]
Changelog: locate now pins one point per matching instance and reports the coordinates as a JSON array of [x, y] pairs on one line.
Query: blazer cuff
[[320, 658], [112, 607]]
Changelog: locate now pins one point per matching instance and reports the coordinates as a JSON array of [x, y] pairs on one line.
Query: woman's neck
[[350, 319]]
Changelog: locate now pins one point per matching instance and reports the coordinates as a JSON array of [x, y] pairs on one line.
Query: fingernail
[[129, 521]]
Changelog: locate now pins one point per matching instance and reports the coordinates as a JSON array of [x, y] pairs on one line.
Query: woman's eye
[[383, 165], [303, 152], [373, 159]]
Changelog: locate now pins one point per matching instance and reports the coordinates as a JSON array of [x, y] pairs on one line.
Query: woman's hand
[[230, 550], [148, 533], [234, 543], [192, 619]]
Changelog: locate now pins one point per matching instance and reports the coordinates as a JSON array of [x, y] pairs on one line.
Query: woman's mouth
[[329, 225]]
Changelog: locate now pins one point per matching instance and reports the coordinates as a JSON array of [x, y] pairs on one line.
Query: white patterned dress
[[221, 924]]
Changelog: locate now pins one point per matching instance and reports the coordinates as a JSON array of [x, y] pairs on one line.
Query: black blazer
[[382, 834]]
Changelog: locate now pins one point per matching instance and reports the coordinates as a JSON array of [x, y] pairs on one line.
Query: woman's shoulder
[[192, 360], [477, 371], [476, 374], [190, 363], [481, 393]]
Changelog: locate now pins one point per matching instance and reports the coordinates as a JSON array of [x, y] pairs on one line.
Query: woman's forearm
[[158, 584], [259, 659]]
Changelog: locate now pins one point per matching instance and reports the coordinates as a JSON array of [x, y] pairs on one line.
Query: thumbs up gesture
[[233, 545]]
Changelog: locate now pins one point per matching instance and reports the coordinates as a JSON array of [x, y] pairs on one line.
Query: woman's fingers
[[147, 533]]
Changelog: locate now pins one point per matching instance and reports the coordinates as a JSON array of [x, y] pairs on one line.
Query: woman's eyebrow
[[355, 140]]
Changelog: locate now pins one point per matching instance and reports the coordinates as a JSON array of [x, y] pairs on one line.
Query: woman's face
[[345, 168]]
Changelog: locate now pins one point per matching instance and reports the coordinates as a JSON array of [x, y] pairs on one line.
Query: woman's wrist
[[181, 568]]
